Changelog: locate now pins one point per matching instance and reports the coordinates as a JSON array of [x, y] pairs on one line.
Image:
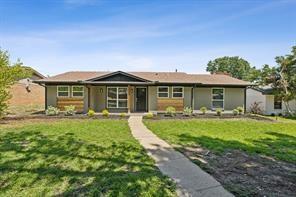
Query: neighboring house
[[268, 102], [26, 93], [143, 91]]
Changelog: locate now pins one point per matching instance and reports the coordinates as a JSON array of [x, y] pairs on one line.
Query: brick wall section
[[20, 96]]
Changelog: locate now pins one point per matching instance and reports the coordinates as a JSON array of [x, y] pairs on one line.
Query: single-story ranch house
[[143, 91], [268, 102]]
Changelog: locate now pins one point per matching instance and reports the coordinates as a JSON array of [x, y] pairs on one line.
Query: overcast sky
[[64, 35]]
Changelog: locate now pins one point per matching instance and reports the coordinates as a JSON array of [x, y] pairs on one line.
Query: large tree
[[235, 66], [284, 78], [9, 74]]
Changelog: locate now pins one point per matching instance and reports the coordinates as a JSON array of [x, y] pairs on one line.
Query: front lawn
[[76, 157], [250, 158]]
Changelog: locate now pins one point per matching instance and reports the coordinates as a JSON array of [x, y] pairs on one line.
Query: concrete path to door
[[190, 179]]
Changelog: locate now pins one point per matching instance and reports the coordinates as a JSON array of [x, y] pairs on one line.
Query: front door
[[141, 99]]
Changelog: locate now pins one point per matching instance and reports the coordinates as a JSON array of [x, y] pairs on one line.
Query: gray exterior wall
[[51, 96], [187, 96], [98, 98], [233, 97], [152, 98]]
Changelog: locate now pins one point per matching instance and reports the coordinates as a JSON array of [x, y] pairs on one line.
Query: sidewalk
[[190, 179]]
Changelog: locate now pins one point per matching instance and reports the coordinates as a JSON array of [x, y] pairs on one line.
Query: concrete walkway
[[191, 180]]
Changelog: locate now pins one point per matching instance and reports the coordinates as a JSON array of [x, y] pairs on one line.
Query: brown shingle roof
[[158, 77]]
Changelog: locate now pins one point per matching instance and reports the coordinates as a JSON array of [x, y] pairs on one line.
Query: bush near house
[[203, 110], [105, 113], [70, 110], [170, 111], [52, 111], [90, 113]]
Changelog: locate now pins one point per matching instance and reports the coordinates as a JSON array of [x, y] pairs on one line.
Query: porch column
[[128, 99]]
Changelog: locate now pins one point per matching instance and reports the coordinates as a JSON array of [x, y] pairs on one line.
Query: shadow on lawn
[[116, 169], [282, 147]]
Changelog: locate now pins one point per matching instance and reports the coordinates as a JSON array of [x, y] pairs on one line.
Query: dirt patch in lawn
[[244, 174], [180, 116]]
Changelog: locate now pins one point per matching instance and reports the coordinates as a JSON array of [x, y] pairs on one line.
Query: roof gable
[[119, 76]]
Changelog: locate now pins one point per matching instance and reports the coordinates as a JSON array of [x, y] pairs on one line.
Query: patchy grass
[[77, 157], [248, 157], [276, 139]]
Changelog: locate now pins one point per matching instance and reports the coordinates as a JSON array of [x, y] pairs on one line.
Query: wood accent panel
[[77, 102], [163, 103]]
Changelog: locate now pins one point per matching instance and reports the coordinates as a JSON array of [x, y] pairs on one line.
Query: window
[[178, 92], [117, 97], [163, 92], [77, 91], [277, 103], [63, 91], [217, 98]]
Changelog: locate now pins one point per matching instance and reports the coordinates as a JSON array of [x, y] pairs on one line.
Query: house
[[25, 93], [143, 91], [268, 102]]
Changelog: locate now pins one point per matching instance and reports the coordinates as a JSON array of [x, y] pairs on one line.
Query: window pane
[[77, 93], [122, 103], [217, 104], [112, 93], [111, 103], [178, 90], [163, 89], [63, 88], [178, 95], [122, 93], [277, 103], [63, 94], [162, 94], [77, 88], [218, 94]]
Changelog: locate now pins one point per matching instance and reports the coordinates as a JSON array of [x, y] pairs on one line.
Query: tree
[[284, 78], [9, 74], [235, 66]]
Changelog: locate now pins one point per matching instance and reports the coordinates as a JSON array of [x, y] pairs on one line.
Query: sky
[[55, 36]]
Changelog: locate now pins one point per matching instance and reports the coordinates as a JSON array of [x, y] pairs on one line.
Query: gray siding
[[202, 98], [152, 98], [233, 97], [51, 96], [98, 98], [187, 96]]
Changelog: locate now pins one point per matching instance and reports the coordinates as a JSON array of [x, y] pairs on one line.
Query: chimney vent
[[176, 70]]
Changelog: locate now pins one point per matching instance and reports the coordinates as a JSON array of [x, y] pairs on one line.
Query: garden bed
[[62, 116], [161, 116]]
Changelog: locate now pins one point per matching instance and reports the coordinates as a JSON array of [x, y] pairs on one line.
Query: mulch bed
[[60, 116], [244, 174], [161, 116]]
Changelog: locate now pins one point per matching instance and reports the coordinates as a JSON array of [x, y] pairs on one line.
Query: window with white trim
[[178, 92], [218, 98], [63, 91], [277, 104], [77, 91], [163, 92], [117, 97]]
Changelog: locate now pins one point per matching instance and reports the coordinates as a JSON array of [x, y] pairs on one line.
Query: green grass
[[77, 157], [277, 140]]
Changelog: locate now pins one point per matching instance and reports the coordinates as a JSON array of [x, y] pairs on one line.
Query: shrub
[[219, 111], [203, 110], [255, 108], [240, 110], [105, 113], [122, 115], [149, 115], [70, 110], [171, 111], [235, 112], [90, 113], [187, 111], [52, 111]]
